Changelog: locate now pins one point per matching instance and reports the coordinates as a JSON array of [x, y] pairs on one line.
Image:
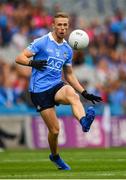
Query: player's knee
[[72, 96], [54, 131], [76, 97]]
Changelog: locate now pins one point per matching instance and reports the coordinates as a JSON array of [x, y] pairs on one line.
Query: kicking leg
[[67, 95]]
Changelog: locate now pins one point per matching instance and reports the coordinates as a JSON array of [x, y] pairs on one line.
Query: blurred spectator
[[123, 32], [7, 91], [19, 39], [117, 98]]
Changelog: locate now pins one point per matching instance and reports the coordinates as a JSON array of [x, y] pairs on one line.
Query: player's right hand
[[91, 97], [38, 64]]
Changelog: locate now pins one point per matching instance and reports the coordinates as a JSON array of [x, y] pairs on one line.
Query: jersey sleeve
[[68, 61], [36, 45]]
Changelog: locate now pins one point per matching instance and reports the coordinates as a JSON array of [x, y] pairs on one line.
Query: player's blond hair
[[61, 14]]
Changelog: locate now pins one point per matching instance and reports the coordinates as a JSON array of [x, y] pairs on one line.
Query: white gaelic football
[[78, 39]]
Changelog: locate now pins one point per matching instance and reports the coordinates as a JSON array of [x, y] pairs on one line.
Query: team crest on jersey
[[65, 55]]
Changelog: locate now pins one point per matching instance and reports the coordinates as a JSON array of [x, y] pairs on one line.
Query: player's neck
[[56, 38]]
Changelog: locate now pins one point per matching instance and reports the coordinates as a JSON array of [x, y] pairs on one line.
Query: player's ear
[[53, 26]]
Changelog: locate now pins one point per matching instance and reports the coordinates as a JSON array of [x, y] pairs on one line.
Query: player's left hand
[[91, 97]]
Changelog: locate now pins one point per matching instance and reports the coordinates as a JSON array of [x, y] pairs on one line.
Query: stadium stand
[[102, 64]]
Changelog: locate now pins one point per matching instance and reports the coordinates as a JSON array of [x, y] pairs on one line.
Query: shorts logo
[[38, 107]]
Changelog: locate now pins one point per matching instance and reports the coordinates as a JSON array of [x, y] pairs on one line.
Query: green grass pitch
[[85, 164]]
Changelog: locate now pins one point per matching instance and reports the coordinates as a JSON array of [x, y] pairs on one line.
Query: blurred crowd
[[101, 67]]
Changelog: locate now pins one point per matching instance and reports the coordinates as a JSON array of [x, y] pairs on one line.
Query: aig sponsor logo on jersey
[[55, 63]]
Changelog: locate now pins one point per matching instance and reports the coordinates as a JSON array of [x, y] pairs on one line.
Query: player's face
[[60, 27]]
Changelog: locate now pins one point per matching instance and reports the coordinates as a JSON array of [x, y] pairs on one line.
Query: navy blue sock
[[82, 119], [55, 157]]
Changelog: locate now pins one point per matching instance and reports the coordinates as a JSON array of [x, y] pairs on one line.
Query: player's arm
[[73, 81], [23, 59]]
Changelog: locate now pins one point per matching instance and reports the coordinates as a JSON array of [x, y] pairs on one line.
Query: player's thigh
[[50, 119], [65, 94]]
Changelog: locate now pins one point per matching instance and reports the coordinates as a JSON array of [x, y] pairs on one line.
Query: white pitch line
[[105, 174], [46, 160], [23, 160]]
